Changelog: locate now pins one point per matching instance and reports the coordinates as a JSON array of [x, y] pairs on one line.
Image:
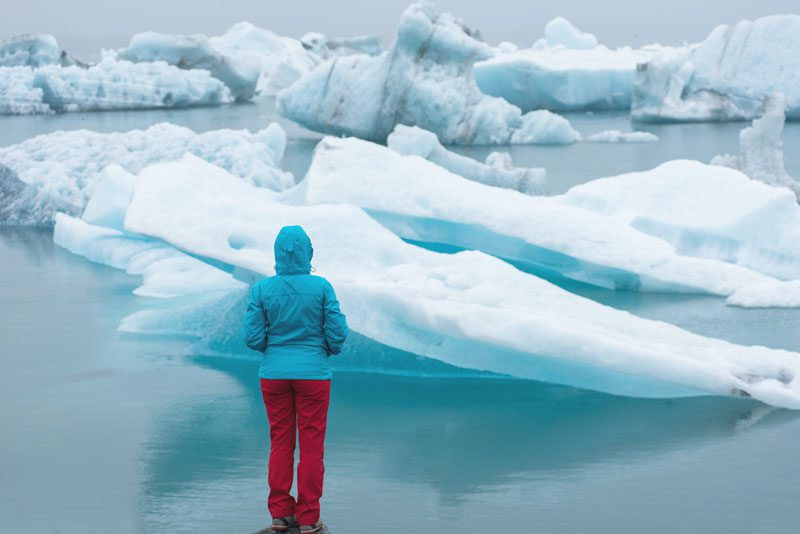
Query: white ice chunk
[[166, 272], [424, 79], [466, 309], [567, 70], [29, 50], [769, 294], [497, 171], [107, 85], [19, 95], [725, 77], [616, 136], [683, 226], [704, 211], [58, 171], [560, 31], [189, 52], [762, 148]]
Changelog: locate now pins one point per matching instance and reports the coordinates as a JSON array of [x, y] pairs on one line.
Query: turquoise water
[[107, 432]]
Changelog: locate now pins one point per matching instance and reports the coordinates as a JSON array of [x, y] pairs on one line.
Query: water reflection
[[459, 437]]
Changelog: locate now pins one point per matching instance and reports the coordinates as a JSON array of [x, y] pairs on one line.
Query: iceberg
[[567, 70], [684, 226], [59, 171], [107, 85], [424, 79], [29, 50], [616, 136], [190, 52], [769, 294], [283, 60], [561, 32], [467, 309], [725, 77], [497, 171], [762, 148]]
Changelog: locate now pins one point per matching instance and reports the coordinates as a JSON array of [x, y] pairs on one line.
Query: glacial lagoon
[[106, 431]]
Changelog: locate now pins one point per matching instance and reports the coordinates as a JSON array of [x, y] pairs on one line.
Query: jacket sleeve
[[334, 321], [255, 322]]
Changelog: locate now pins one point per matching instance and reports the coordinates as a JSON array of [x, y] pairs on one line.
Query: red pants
[[294, 405]]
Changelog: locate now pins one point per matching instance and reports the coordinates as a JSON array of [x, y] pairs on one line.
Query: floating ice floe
[[108, 85], [58, 171], [424, 79], [190, 52], [725, 77], [683, 226], [762, 148], [498, 169], [467, 309], [566, 70], [29, 50], [616, 136]]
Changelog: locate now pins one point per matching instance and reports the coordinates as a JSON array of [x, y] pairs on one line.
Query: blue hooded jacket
[[294, 317]]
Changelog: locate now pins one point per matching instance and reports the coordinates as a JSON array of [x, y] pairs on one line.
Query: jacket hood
[[293, 251]]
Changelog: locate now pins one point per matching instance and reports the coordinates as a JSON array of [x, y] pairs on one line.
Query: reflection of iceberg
[[466, 309], [562, 437], [424, 79], [725, 77], [497, 171], [59, 171], [567, 70], [683, 226]]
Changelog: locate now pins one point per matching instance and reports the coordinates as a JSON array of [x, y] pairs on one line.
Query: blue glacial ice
[[59, 171], [29, 50], [725, 77], [239, 73], [567, 70], [467, 309], [498, 169], [424, 79], [683, 226], [761, 147], [110, 84], [283, 60]]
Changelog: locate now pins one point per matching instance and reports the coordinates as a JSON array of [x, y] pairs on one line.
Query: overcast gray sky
[[84, 26]]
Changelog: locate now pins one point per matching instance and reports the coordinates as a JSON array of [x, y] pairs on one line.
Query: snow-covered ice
[[29, 50], [567, 70], [58, 171], [616, 136], [108, 85], [498, 169], [189, 52], [467, 309], [725, 77], [424, 79], [762, 148], [684, 226]]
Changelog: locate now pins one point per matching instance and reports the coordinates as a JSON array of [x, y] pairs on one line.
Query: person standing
[[294, 319]]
